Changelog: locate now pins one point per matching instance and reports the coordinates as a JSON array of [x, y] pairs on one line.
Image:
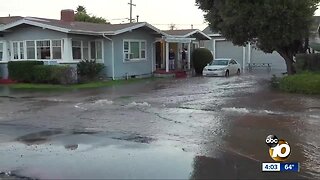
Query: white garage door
[[225, 49]]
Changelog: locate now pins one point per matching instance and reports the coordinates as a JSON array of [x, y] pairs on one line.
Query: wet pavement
[[171, 128]]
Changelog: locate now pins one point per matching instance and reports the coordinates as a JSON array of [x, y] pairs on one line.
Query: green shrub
[[307, 62], [64, 75], [54, 74], [306, 83], [41, 74], [200, 58], [22, 70], [89, 70]]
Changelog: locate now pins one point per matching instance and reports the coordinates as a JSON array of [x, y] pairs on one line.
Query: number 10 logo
[[279, 149]]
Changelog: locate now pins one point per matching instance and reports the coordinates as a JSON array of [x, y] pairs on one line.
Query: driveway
[[170, 128]]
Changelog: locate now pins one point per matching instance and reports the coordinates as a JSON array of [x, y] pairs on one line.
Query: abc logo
[[279, 149]]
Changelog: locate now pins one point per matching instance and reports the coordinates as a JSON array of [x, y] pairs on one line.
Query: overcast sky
[[160, 13]]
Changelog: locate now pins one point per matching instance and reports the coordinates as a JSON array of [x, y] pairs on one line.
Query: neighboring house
[[127, 50], [222, 48]]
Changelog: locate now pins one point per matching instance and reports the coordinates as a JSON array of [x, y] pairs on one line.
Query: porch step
[[176, 74], [181, 74], [7, 81]]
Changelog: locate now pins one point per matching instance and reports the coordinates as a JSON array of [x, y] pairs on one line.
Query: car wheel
[[238, 72], [227, 73]]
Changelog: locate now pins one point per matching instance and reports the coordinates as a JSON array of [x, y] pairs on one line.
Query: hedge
[[308, 62], [22, 71], [200, 58], [36, 72], [54, 74]]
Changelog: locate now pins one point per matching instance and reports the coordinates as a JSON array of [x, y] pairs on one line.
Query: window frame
[[25, 49], [128, 52], [18, 50], [51, 48], [34, 49], [81, 49], [90, 53], [87, 47]]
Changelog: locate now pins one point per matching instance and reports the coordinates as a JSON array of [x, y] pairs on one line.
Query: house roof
[[209, 32], [180, 32], [188, 33], [7, 20], [76, 27]]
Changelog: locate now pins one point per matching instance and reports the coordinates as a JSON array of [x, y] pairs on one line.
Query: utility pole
[[131, 4]]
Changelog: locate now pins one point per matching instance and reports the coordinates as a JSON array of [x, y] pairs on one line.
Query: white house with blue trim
[[127, 50]]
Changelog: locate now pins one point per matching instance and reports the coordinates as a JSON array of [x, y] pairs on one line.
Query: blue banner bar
[[289, 167]]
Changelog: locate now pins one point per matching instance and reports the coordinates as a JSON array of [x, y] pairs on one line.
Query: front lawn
[[305, 83]]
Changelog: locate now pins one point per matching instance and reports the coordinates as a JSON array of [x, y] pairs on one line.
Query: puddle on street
[[90, 157]]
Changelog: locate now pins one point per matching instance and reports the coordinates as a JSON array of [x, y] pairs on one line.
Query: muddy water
[[185, 128]]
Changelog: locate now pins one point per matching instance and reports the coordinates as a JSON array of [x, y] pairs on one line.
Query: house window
[[15, 50], [56, 49], [99, 49], [96, 50], [76, 49], [18, 50], [85, 45], [43, 50], [87, 50], [134, 50], [21, 50], [31, 53], [1, 51], [143, 50], [93, 49]]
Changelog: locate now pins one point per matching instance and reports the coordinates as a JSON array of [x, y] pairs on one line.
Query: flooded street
[[168, 128]]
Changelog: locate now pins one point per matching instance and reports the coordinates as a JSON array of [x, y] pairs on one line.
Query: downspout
[[112, 55]]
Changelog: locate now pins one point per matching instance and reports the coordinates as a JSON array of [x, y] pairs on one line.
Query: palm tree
[[81, 9]]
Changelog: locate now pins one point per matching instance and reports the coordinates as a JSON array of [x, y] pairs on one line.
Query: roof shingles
[[7, 20], [83, 26], [181, 32]]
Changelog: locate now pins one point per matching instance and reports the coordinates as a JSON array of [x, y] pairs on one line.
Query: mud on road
[[171, 128]]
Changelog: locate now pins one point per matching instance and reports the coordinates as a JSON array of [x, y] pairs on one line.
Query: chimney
[[67, 15]]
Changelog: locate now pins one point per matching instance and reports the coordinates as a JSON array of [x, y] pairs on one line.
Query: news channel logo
[[279, 149]]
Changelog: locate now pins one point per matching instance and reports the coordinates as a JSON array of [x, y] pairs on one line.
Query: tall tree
[[82, 15], [278, 25]]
